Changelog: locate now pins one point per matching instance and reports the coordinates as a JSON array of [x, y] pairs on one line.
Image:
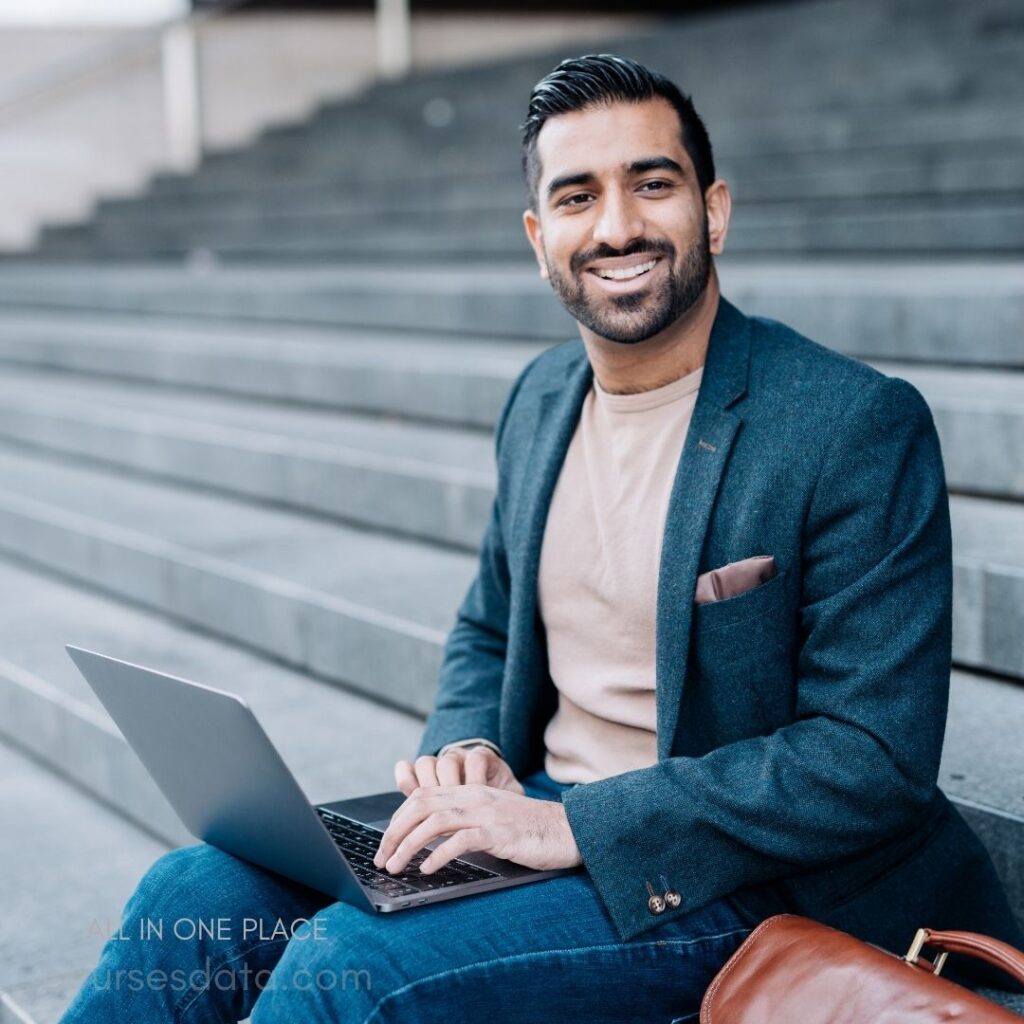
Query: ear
[[531, 222], [718, 204]]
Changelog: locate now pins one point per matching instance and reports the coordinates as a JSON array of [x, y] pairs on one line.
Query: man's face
[[621, 230]]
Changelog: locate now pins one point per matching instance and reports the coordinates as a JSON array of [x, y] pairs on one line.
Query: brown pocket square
[[734, 579]]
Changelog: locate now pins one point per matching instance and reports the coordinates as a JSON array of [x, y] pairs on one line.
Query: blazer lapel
[[558, 412], [555, 419], [705, 453]]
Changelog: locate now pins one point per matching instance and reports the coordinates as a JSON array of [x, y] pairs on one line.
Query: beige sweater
[[598, 580]]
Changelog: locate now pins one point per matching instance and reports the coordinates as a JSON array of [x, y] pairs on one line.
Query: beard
[[629, 319]]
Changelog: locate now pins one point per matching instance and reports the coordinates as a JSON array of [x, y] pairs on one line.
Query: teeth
[[625, 273]]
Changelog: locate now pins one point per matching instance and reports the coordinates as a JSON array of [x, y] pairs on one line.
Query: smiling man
[[705, 660]]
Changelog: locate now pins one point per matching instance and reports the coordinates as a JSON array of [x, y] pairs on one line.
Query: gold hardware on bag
[[914, 953]]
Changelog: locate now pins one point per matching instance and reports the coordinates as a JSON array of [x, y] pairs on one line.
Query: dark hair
[[602, 78]]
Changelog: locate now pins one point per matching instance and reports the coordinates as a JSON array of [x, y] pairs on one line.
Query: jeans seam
[[546, 952], [183, 1008]]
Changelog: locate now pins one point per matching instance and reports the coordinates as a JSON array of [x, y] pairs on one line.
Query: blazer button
[[673, 899], [656, 904]]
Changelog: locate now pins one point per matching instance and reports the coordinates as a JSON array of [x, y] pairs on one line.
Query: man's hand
[[512, 826], [460, 765]]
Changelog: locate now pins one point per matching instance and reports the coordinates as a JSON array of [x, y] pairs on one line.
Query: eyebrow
[[642, 166]]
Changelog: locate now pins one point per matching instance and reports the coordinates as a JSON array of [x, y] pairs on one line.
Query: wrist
[[574, 858]]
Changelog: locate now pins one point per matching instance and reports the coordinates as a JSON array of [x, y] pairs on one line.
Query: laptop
[[218, 769]]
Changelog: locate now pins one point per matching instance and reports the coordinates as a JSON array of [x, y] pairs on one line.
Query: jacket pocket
[[741, 662], [754, 627], [751, 604]]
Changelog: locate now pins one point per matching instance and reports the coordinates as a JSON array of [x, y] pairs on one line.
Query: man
[[706, 657]]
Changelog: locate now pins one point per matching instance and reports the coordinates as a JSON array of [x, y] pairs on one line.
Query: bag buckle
[[914, 953]]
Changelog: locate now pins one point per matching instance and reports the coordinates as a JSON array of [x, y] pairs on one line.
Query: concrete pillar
[[183, 112], [394, 38]]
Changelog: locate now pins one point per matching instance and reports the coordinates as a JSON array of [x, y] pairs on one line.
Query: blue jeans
[[207, 938]]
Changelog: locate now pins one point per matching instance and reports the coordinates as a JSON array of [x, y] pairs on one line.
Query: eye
[[656, 186], [571, 200]]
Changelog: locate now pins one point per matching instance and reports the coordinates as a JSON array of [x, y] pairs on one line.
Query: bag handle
[[983, 947]]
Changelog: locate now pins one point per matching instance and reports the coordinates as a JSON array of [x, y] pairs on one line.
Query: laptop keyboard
[[359, 843]]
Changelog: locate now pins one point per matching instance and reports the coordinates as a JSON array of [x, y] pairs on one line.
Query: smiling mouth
[[626, 273]]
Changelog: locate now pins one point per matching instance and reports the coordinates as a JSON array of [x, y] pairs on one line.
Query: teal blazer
[[799, 724]]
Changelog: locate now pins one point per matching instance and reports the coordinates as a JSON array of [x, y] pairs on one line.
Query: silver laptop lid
[[219, 771]]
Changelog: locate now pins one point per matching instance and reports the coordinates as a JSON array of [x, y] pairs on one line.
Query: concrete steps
[[427, 481], [363, 609], [268, 201], [870, 309], [431, 482], [922, 156], [416, 375], [434, 483], [987, 223], [898, 134]]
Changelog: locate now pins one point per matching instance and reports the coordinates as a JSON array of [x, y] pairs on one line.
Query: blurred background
[[264, 286]]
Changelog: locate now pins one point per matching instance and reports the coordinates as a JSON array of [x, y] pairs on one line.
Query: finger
[[426, 770], [405, 777], [449, 768], [477, 766], [466, 840], [440, 823], [415, 809]]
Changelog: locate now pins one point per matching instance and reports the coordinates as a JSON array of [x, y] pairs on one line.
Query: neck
[[673, 353]]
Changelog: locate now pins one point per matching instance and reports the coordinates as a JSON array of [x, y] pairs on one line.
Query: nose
[[619, 221]]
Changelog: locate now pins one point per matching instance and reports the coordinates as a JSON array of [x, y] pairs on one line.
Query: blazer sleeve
[[859, 763], [469, 689]]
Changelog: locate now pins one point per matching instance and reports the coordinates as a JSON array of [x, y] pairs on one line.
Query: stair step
[[416, 375], [899, 310], [359, 608], [489, 118], [979, 415], [297, 207], [432, 482], [982, 765], [918, 168], [988, 584]]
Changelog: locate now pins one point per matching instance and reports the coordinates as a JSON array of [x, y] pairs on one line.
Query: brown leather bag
[[791, 970]]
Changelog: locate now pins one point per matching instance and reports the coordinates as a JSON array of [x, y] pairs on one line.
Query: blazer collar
[[705, 452]]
